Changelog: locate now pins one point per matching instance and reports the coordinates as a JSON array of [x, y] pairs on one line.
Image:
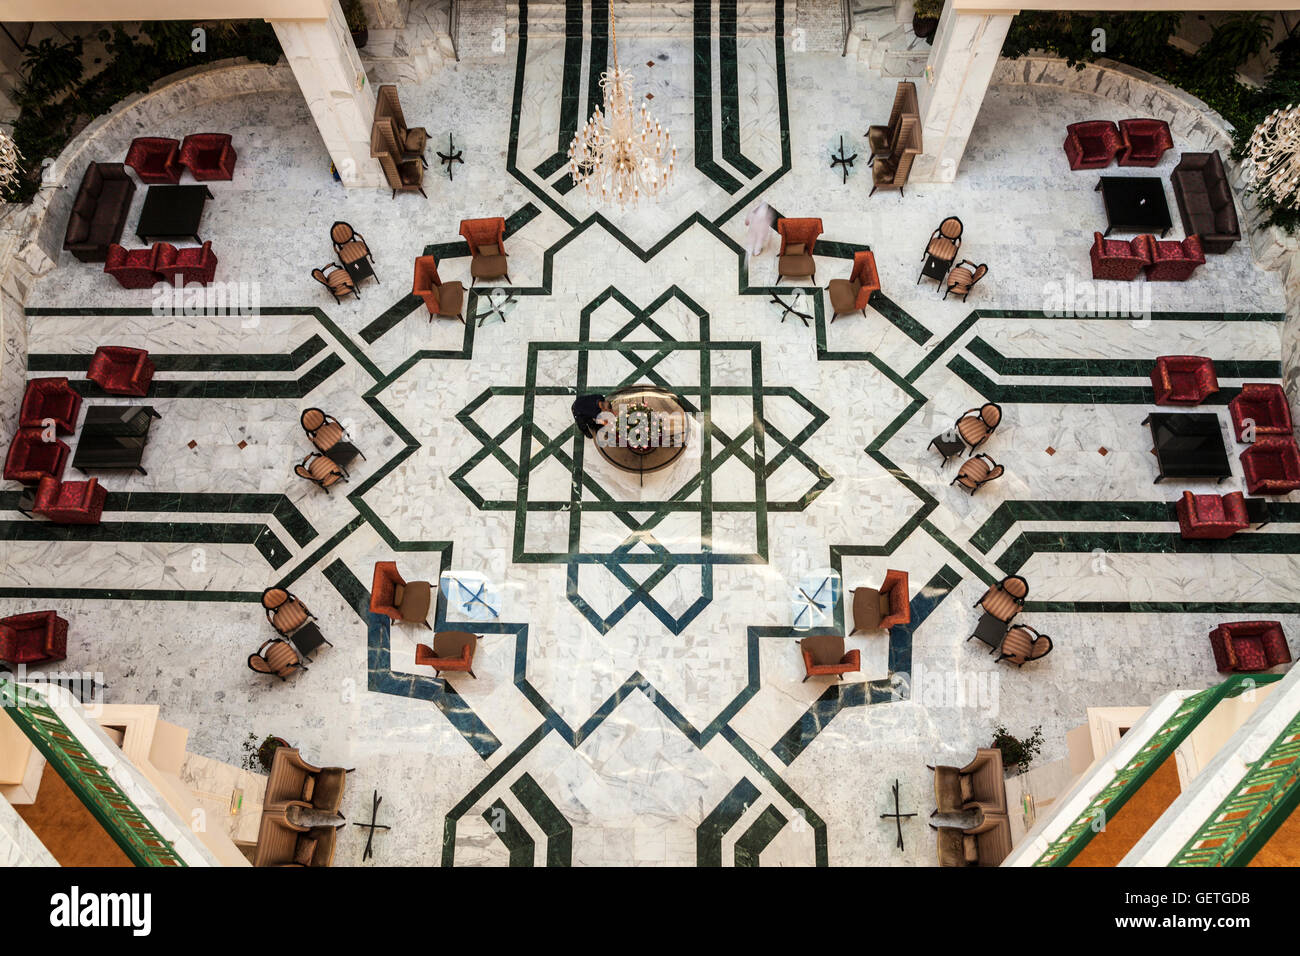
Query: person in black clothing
[[586, 413]]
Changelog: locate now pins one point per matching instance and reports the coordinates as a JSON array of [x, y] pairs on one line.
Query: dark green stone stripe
[[129, 594], [392, 316], [1009, 512], [571, 84], [703, 92], [228, 388], [709, 834], [1162, 607], [1115, 368], [1066, 394], [558, 830], [352, 590], [728, 75], [1029, 543], [899, 317], [189, 362], [760, 833], [510, 832]]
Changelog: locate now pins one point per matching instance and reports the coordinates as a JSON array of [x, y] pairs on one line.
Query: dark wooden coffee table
[[172, 212], [1135, 204], [114, 436], [1189, 445]]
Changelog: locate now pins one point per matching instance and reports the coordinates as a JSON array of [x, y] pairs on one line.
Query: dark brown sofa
[[99, 211], [1205, 201]]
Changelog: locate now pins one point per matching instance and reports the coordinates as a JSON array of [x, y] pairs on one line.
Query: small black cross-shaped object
[[372, 826], [453, 155], [898, 817], [842, 160]]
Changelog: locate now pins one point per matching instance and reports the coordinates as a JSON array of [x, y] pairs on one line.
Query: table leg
[[140, 468]]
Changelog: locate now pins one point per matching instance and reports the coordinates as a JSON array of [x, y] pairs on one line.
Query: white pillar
[[329, 72], [966, 49]]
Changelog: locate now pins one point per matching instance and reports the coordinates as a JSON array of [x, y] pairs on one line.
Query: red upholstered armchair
[[883, 607], [1271, 466], [1211, 516], [1092, 144], [1174, 261], [119, 370], [1248, 646], [1143, 141], [1263, 405], [191, 264], [798, 238], [1183, 379], [427, 657], [31, 458], [853, 294], [383, 590], [1121, 259], [209, 156], [155, 159], [33, 638], [70, 502], [133, 268], [847, 664], [50, 398]]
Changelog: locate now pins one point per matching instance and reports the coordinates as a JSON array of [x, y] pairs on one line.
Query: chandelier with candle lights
[[1273, 156], [621, 154]]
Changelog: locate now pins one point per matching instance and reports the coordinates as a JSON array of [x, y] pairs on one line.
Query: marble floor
[[639, 698]]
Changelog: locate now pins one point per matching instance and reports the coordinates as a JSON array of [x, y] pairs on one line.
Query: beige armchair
[[891, 172], [985, 845], [281, 843], [881, 138], [977, 786], [294, 781]]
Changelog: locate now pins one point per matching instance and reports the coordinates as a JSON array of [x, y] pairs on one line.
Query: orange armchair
[[440, 298], [451, 651], [853, 294], [824, 655], [485, 238], [883, 607], [391, 594], [798, 237]]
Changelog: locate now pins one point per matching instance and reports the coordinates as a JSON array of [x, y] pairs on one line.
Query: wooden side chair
[[962, 278], [977, 471], [277, 656], [944, 244], [335, 278], [976, 424], [1023, 644], [1005, 599], [320, 470], [350, 245], [324, 430], [284, 611]]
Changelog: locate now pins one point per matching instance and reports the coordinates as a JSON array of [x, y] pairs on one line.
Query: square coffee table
[[172, 212], [1135, 204], [114, 436], [1189, 445]]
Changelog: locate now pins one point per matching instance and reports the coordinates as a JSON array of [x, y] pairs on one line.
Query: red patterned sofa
[[31, 458], [133, 268], [155, 159], [34, 638], [1183, 379], [1211, 516], [1091, 144], [208, 156], [70, 502], [1174, 261], [191, 264], [1143, 141], [119, 370], [1249, 646], [1264, 405], [1120, 259], [1271, 466], [50, 398]]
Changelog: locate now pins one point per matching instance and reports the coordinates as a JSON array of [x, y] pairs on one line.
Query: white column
[[966, 49], [329, 72]]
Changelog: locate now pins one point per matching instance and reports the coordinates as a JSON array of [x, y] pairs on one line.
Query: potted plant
[[259, 754], [1016, 752], [925, 18], [356, 18]]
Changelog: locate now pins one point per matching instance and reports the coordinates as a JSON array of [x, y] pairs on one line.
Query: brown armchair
[[281, 843], [486, 240], [891, 172], [410, 140], [977, 786], [284, 611], [401, 600], [976, 424], [276, 656], [1023, 643], [798, 237], [977, 471], [440, 298], [293, 780], [402, 175], [881, 138], [985, 845], [883, 607]]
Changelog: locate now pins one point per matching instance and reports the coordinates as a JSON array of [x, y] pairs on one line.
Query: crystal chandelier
[[621, 154], [1273, 156]]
